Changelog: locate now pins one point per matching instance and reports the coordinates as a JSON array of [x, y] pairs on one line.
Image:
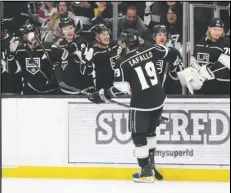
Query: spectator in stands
[[130, 20], [50, 31], [122, 7], [178, 6], [140, 7], [44, 11], [171, 3], [108, 9], [14, 9], [85, 12], [174, 25], [155, 12]]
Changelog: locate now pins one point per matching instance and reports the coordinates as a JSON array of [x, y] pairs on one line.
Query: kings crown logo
[[33, 65]]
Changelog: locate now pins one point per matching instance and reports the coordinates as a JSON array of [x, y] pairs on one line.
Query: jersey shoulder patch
[[118, 62]]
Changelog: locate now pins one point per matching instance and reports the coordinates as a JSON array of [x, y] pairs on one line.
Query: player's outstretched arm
[[120, 87], [103, 95], [176, 66]]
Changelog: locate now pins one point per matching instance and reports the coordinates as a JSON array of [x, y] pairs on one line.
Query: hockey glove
[[88, 54], [59, 54], [98, 97], [71, 48], [194, 63], [206, 73], [90, 90], [173, 55], [85, 56], [14, 43], [190, 78], [119, 50]]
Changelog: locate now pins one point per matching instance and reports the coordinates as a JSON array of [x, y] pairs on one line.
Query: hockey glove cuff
[[173, 55], [88, 54], [206, 73], [59, 54], [71, 48], [190, 78], [99, 97]]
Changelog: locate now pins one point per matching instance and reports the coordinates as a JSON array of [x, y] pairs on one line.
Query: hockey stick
[[127, 106], [44, 50], [31, 57], [109, 100], [165, 73], [157, 175], [167, 63], [112, 101]]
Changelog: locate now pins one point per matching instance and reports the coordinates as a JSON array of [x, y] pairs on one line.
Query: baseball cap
[[216, 23]]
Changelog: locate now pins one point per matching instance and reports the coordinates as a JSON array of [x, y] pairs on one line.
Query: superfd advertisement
[[196, 134]]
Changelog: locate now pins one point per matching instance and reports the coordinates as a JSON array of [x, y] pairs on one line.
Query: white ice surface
[[98, 186]]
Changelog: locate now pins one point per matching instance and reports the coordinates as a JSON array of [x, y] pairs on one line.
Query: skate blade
[[144, 180]]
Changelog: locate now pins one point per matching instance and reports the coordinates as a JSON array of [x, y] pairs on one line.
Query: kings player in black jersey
[[209, 71], [70, 69], [10, 75], [104, 57], [136, 75], [167, 71], [35, 62]]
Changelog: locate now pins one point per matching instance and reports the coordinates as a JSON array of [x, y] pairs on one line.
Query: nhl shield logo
[[33, 66]]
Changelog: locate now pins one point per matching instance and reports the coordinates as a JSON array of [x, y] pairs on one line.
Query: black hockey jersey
[[206, 52], [104, 62], [168, 75], [70, 69], [37, 71], [138, 69], [11, 79]]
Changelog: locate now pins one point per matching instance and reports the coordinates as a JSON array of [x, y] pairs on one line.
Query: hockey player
[[10, 75], [136, 75], [210, 64], [104, 57], [167, 71], [70, 69], [37, 69]]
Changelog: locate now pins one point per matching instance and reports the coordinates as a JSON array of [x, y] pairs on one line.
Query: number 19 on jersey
[[150, 70]]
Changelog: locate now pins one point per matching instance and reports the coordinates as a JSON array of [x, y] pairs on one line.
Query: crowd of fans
[[142, 16]]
